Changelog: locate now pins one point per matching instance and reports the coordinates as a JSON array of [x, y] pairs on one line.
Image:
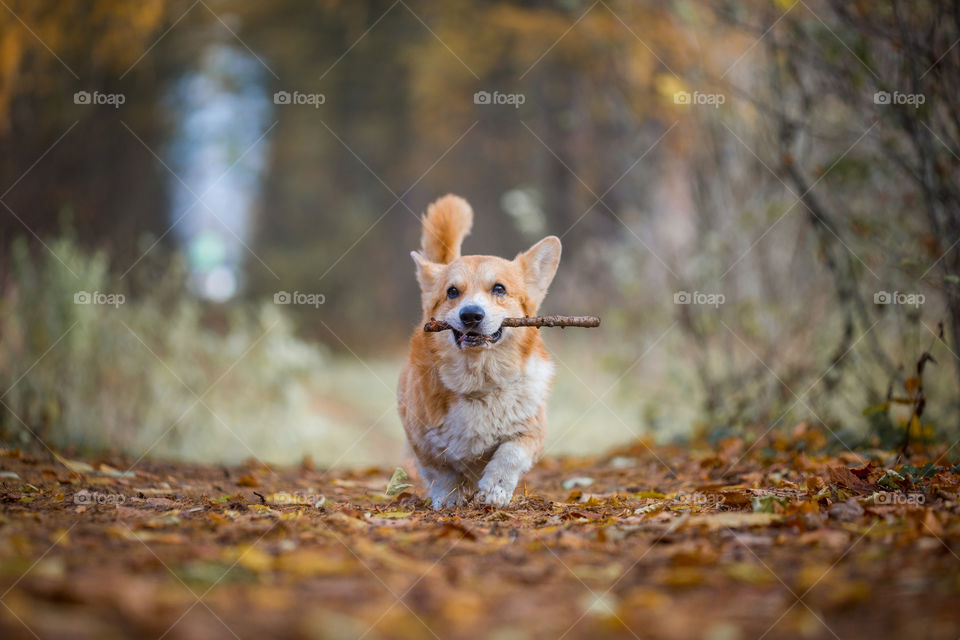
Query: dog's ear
[[539, 264], [426, 271]]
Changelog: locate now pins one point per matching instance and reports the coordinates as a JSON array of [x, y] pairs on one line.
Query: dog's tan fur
[[475, 416]]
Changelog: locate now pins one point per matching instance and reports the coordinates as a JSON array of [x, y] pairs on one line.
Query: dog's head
[[475, 293]]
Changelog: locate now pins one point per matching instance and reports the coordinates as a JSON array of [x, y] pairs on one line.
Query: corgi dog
[[473, 399]]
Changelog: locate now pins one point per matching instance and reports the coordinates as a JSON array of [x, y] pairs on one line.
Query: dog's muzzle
[[475, 339]]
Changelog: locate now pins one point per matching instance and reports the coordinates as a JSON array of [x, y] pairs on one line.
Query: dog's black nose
[[471, 316]]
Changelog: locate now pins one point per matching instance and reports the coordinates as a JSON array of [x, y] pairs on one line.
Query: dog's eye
[[499, 290], [453, 292]]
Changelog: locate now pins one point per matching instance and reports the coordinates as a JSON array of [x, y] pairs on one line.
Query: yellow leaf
[[253, 558], [733, 519], [312, 563], [75, 465], [347, 522], [748, 572], [394, 514], [668, 85]]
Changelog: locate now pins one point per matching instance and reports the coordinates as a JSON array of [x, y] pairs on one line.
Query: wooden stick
[[538, 321]]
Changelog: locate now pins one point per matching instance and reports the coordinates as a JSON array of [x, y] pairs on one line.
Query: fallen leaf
[[863, 472], [348, 522], [74, 465], [314, 563], [107, 470], [247, 480], [749, 572], [766, 504], [733, 519], [847, 510], [844, 477], [394, 514], [399, 482], [891, 480]]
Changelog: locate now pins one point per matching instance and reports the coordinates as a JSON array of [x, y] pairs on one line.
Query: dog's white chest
[[475, 423]]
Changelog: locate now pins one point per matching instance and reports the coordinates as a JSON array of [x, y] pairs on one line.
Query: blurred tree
[[74, 162]]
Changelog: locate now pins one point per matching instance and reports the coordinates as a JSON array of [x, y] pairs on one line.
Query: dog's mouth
[[476, 339]]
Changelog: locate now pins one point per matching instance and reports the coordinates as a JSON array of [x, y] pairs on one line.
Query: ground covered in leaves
[[719, 542]]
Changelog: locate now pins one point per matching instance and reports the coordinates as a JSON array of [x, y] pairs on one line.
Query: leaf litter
[[670, 542]]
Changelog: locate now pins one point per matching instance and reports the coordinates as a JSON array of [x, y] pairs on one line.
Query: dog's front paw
[[494, 493], [440, 500]]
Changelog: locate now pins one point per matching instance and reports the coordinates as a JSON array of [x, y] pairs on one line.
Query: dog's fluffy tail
[[445, 225]]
